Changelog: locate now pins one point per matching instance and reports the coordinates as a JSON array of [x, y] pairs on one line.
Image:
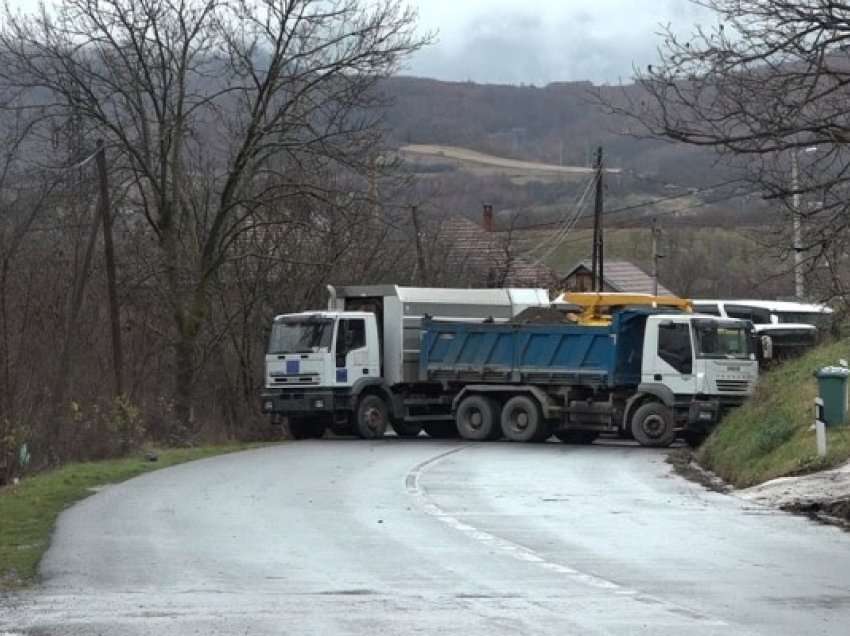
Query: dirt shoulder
[[823, 496]]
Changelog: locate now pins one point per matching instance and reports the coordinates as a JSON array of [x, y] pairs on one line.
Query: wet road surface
[[426, 537]]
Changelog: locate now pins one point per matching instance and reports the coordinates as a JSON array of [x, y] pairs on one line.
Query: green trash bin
[[832, 387]]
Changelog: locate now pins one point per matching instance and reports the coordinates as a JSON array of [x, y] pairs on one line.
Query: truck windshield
[[301, 335], [716, 340]]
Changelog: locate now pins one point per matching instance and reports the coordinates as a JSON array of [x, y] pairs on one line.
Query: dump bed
[[548, 354]]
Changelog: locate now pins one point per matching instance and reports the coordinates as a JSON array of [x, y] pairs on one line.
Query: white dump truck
[[320, 363]]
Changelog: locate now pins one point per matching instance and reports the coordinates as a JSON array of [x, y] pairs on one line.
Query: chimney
[[487, 218]]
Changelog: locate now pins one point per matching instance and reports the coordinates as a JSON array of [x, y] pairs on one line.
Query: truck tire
[[406, 429], [372, 417], [653, 425], [476, 418], [441, 429], [522, 420], [577, 437]]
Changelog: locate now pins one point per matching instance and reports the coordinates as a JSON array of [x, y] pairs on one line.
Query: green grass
[[29, 510], [770, 436]]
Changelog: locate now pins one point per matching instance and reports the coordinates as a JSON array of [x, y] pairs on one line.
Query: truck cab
[[695, 355], [315, 360], [704, 365]]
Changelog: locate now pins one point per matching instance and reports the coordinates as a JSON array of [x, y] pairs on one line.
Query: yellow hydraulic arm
[[597, 307]]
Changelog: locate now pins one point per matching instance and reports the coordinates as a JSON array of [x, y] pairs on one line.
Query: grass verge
[[29, 510], [770, 436]]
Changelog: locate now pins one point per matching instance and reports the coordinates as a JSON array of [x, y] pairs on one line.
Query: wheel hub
[[521, 420], [475, 419], [654, 425], [373, 418]]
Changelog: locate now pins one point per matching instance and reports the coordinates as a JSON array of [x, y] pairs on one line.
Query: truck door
[[673, 358], [351, 352]]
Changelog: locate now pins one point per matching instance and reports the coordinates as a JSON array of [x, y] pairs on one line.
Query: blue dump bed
[[542, 354]]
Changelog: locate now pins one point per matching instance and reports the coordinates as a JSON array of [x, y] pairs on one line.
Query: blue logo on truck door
[[293, 367], [342, 375]]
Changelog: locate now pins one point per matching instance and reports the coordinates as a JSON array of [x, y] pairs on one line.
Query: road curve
[[425, 537]]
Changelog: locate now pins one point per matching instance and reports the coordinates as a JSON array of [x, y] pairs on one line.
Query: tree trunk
[[184, 382]]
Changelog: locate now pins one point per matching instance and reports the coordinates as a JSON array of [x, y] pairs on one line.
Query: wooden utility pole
[[598, 269], [109, 253], [420, 255]]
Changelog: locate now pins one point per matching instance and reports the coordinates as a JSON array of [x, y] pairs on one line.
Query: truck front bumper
[[298, 402], [703, 415]]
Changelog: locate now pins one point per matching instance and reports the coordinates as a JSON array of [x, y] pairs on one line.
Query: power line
[[650, 202], [553, 241], [666, 212], [566, 231]]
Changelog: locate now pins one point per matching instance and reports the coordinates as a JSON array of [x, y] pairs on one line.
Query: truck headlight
[[268, 406], [706, 416], [319, 404]]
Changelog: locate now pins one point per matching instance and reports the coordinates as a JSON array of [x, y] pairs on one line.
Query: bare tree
[[765, 84], [216, 111]]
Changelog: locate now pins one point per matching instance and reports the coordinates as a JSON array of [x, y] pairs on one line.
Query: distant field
[[484, 164]]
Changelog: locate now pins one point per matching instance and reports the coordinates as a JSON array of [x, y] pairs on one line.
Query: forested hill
[[558, 124]]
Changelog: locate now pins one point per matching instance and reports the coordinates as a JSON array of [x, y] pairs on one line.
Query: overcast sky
[[540, 41]]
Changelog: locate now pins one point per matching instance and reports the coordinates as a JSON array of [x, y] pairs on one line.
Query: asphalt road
[[426, 537]]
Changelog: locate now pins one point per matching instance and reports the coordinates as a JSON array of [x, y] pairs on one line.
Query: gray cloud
[[505, 41]]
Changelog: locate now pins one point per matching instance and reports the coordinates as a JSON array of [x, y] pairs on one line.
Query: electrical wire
[[552, 241], [651, 202]]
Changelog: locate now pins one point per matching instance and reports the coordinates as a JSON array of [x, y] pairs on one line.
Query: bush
[[101, 431]]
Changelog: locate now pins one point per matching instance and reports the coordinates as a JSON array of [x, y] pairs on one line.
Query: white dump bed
[[400, 311]]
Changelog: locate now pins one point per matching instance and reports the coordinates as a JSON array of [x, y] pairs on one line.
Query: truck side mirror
[[767, 347]]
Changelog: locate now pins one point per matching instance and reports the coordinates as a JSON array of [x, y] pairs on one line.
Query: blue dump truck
[[649, 374], [458, 363]]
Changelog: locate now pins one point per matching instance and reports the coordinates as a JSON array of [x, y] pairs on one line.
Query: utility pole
[[799, 289], [598, 273], [420, 256], [109, 253], [656, 230]]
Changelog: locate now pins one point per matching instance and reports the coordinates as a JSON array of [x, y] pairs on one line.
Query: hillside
[[557, 124], [528, 152], [771, 435]]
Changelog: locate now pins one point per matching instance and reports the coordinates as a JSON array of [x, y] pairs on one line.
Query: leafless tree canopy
[[767, 81], [241, 139]]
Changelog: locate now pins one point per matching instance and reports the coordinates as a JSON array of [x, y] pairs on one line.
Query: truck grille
[[298, 379], [733, 386]]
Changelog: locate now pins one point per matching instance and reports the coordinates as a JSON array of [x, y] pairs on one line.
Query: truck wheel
[[476, 418], [372, 417], [652, 425], [577, 437], [441, 430], [545, 431], [406, 429], [522, 420]]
